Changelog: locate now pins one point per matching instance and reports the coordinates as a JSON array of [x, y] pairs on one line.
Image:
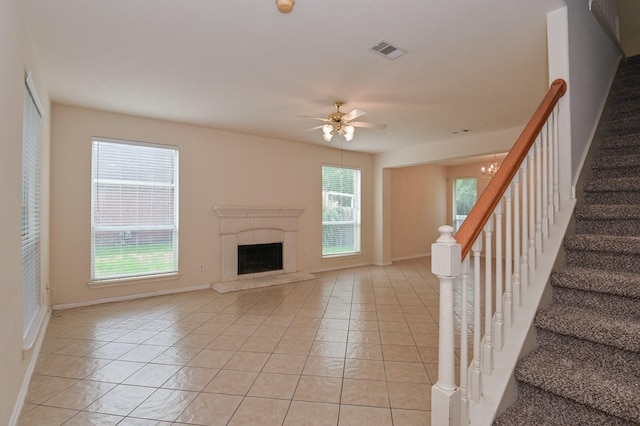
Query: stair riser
[[585, 350], [603, 260], [612, 197], [608, 227], [622, 306], [614, 141], [626, 94], [624, 109], [603, 173], [625, 126], [619, 151]]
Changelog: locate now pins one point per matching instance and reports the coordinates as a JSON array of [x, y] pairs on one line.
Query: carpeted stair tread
[[619, 141], [597, 280], [626, 83], [537, 407], [602, 388], [624, 361], [624, 108], [613, 184], [608, 212], [631, 61], [603, 243], [623, 125], [585, 369], [626, 95], [590, 325], [621, 144]]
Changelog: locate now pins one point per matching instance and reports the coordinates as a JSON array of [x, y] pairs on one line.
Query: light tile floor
[[353, 347]]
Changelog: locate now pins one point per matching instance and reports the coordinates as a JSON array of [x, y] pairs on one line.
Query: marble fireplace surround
[[257, 225]]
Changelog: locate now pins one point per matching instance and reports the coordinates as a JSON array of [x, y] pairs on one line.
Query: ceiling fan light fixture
[[285, 6], [343, 124], [349, 129], [327, 132]]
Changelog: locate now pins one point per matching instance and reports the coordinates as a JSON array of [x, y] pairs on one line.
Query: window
[[464, 198], [340, 210], [32, 308], [134, 215]]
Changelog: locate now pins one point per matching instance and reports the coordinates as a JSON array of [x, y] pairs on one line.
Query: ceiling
[[242, 66]]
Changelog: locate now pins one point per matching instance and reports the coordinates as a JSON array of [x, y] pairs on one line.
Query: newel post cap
[[446, 254]]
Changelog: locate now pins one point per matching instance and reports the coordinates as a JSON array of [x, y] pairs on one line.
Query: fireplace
[[255, 258], [257, 226]]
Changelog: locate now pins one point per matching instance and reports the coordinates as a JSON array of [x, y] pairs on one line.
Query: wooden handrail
[[490, 197]]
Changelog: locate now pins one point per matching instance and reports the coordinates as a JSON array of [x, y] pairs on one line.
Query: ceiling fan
[[343, 123]]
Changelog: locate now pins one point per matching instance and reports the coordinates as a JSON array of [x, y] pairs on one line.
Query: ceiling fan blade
[[314, 118], [314, 128], [367, 125], [353, 114]]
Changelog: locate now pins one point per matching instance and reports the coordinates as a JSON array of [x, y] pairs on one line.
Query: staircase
[[586, 367]]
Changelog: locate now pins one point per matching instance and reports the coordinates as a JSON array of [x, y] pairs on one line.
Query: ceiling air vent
[[385, 49]]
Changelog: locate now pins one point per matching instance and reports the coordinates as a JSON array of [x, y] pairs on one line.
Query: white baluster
[[556, 163], [532, 216], [464, 345], [475, 374], [517, 217], [446, 265], [550, 210], [524, 213], [487, 347], [545, 185], [498, 328], [538, 197], [508, 247]]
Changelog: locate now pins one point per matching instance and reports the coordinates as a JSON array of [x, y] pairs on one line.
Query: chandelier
[[490, 171]]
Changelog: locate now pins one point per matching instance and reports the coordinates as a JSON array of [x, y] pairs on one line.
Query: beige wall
[[418, 207], [461, 147], [217, 168], [421, 201], [16, 57]]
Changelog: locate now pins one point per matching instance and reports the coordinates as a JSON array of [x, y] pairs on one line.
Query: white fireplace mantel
[[256, 225]]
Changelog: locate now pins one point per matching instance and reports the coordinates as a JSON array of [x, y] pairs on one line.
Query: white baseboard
[[24, 389], [336, 268], [130, 297], [417, 256]]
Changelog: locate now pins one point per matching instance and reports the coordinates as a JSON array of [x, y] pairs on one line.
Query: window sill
[[131, 281], [340, 255]]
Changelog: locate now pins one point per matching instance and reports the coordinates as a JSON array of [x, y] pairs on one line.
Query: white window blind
[[134, 210], [340, 210], [32, 308]]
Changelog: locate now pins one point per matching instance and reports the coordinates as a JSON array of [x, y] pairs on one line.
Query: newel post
[[446, 265]]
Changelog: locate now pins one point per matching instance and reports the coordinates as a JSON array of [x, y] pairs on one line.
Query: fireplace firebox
[[256, 258]]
